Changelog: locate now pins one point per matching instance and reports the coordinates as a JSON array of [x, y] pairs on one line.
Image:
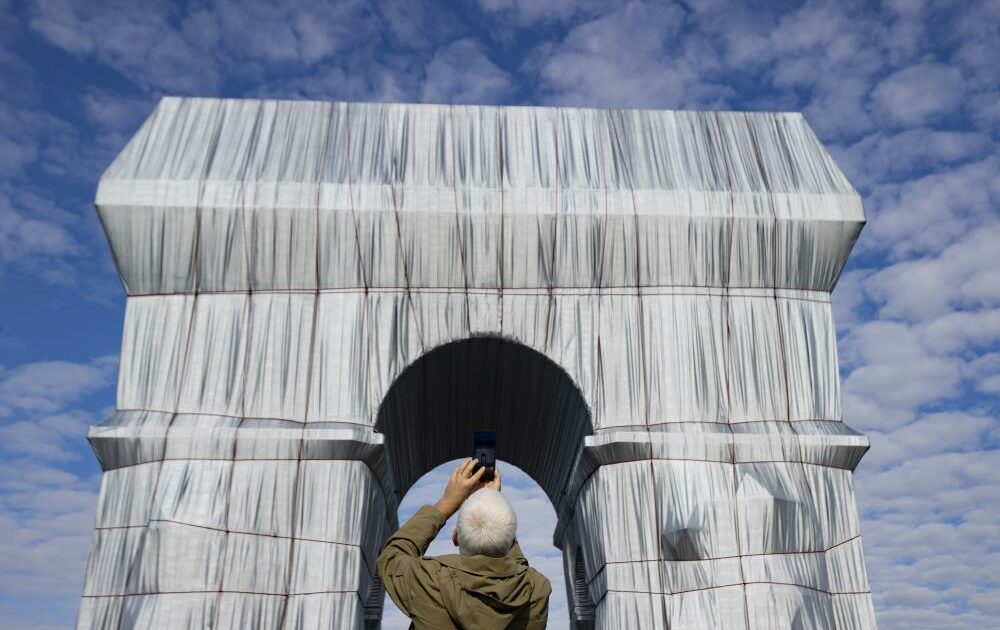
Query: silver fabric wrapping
[[325, 299], [278, 195]]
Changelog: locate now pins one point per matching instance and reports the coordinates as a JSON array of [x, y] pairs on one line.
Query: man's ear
[[454, 535]]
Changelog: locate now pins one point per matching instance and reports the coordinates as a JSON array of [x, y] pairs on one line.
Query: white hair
[[486, 524]]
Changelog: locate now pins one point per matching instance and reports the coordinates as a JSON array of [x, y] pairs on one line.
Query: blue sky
[[906, 95]]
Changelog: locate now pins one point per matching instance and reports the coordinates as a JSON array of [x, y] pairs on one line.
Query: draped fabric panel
[[326, 299], [270, 195]]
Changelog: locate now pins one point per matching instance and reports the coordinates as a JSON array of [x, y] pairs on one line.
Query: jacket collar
[[484, 566]]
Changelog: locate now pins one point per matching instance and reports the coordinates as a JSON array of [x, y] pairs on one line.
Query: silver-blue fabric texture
[[325, 299]]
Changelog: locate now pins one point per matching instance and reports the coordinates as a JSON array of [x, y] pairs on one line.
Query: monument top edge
[[475, 147], [514, 107]]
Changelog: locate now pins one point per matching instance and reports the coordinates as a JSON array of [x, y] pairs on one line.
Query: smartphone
[[484, 451]]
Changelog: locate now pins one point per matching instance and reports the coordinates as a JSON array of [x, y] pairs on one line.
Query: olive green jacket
[[467, 592]]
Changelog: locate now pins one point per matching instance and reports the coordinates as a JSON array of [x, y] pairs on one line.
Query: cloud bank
[[906, 95]]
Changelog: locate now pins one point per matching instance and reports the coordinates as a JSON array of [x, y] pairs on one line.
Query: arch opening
[[536, 523], [484, 383]]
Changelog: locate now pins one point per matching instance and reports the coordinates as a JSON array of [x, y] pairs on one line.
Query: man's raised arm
[[399, 562]]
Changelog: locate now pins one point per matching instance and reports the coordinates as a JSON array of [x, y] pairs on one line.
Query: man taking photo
[[488, 585]]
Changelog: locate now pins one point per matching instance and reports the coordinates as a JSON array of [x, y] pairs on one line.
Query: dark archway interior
[[484, 383]]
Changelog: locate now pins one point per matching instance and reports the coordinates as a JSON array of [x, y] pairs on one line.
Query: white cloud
[[20, 138], [160, 46], [818, 38], [984, 371], [895, 369], [46, 518], [963, 275], [138, 39], [461, 73], [929, 213], [23, 236], [932, 434], [959, 332], [527, 12], [918, 347], [42, 230], [881, 157], [826, 53], [849, 298], [917, 94], [887, 392], [50, 437], [47, 386], [635, 56], [930, 526], [46, 509], [14, 155], [837, 111], [286, 31], [113, 111], [979, 28], [914, 117]]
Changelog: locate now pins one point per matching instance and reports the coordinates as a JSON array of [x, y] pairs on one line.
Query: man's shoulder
[[452, 560], [540, 583]]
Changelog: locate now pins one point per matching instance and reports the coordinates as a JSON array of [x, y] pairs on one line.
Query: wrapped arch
[[666, 273]]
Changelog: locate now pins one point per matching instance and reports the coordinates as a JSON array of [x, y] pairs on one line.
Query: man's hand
[[495, 482], [462, 483]]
